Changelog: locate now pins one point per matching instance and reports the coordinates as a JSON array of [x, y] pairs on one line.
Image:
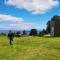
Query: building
[[55, 27]]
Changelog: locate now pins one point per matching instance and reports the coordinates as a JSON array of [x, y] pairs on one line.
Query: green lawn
[[30, 48]]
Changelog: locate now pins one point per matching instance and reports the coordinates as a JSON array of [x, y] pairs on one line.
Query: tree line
[[34, 32]]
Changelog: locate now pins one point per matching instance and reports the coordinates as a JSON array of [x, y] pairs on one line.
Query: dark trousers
[[11, 41]]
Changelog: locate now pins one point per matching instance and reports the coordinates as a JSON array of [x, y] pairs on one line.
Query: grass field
[[30, 48]]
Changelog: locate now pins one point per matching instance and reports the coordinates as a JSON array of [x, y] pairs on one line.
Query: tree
[[33, 32], [18, 34], [56, 17], [24, 32], [4, 34], [48, 27], [43, 32]]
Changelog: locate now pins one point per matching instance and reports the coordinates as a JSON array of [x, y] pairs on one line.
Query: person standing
[[11, 37]]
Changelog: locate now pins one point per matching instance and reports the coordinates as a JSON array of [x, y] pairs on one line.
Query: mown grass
[[30, 48]]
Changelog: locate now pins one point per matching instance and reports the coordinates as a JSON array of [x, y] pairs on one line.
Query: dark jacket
[[10, 36]]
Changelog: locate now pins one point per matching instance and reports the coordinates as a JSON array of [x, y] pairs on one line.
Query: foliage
[[56, 17], [43, 32], [24, 32], [33, 32], [18, 34], [3, 34], [48, 27]]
